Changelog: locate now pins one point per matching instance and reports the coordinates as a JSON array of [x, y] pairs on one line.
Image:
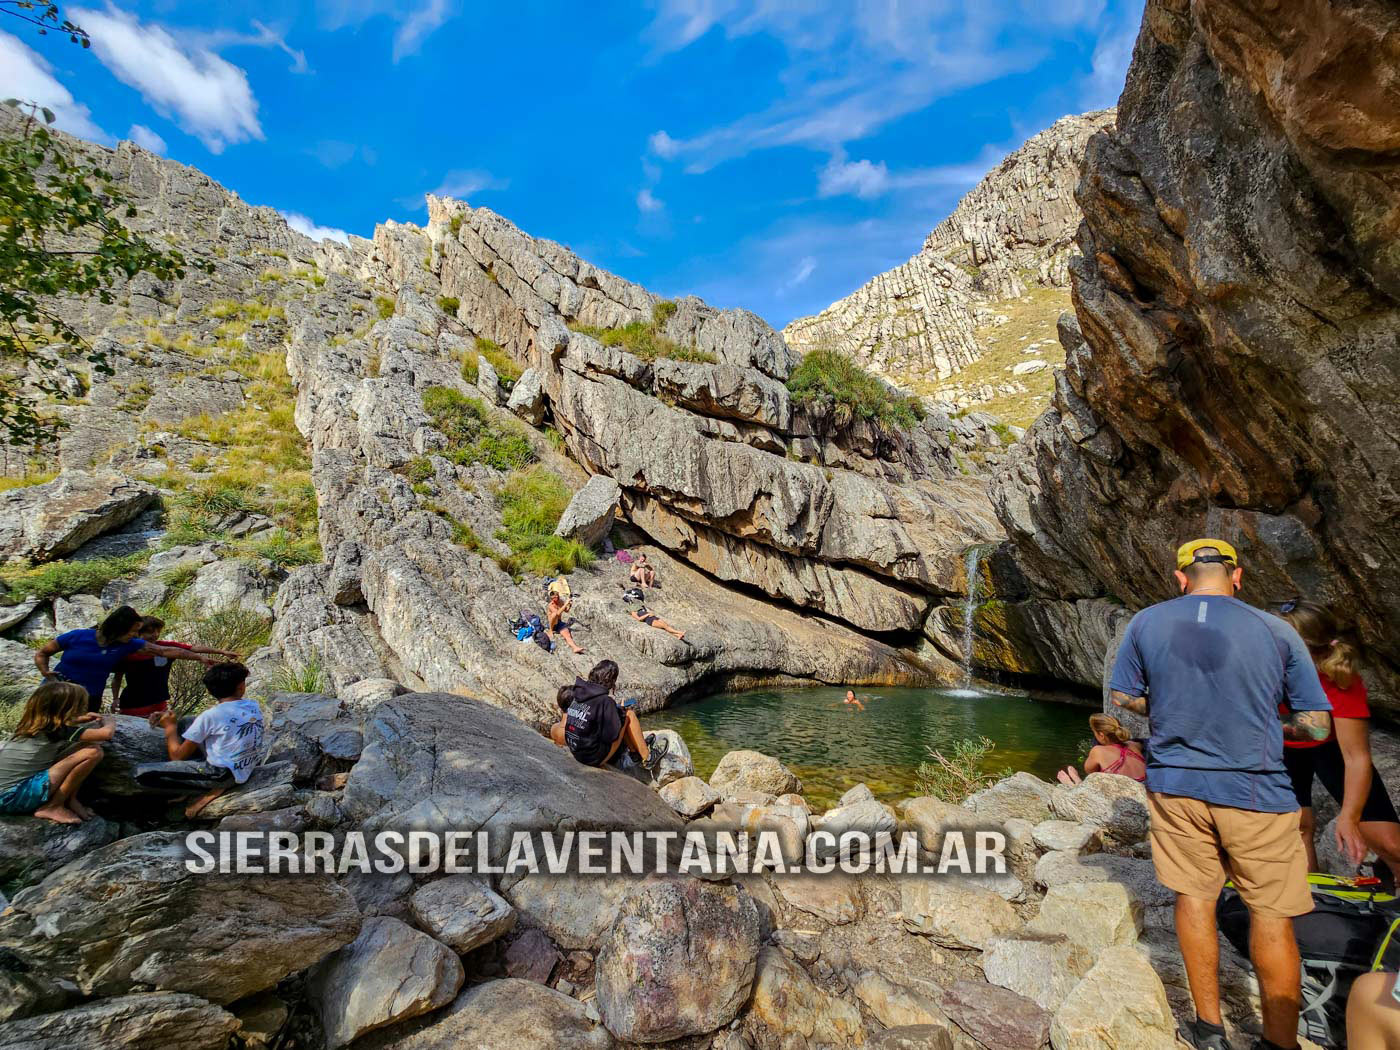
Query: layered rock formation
[[1232, 367], [1012, 231]]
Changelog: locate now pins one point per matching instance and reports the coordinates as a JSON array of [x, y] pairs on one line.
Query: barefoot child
[[55, 746], [229, 735]]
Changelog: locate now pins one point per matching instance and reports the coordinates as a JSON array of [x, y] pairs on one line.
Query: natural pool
[[833, 747]]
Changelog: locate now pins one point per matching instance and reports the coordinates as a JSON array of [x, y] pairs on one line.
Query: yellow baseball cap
[[1186, 553]]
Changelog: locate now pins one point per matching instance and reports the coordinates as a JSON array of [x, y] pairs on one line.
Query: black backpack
[[1348, 932]]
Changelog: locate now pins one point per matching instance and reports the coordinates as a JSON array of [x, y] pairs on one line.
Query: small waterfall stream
[[971, 560]]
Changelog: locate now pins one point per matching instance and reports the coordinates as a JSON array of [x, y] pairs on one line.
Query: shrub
[[663, 312], [827, 378], [506, 366], [420, 469], [309, 677], [456, 223], [642, 339], [448, 304], [532, 502], [472, 435], [385, 306], [284, 550], [12, 701], [61, 578], [470, 370], [960, 773], [237, 630]]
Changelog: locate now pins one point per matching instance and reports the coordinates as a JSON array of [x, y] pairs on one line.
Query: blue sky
[[773, 156]]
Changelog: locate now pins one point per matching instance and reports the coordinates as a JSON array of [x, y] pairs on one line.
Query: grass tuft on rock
[[643, 339], [59, 579], [532, 502], [473, 436], [828, 379], [507, 368]]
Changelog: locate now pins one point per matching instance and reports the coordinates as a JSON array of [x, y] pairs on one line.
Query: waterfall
[[971, 560]]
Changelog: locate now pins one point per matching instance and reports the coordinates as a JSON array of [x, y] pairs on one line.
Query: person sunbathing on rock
[[554, 616], [596, 727], [646, 616], [642, 572], [91, 654], [56, 744], [1113, 752], [228, 736]]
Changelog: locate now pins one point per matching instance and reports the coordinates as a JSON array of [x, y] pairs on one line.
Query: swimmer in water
[[852, 701]]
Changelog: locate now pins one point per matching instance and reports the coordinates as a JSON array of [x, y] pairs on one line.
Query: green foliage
[[6, 484], [642, 338], [828, 379], [506, 366], [12, 701], [960, 773], [663, 312], [532, 502], [178, 578], [59, 579], [420, 469], [61, 238], [472, 435], [236, 630], [385, 306], [309, 677], [46, 16], [456, 223], [283, 549], [448, 304]]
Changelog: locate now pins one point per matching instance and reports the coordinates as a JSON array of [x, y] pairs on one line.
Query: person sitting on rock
[[596, 726], [642, 572], [646, 616], [146, 676], [1113, 752], [554, 616], [91, 654], [229, 736], [56, 744]]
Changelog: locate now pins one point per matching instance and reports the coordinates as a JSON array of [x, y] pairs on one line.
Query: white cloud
[[302, 224], [415, 24], [264, 36], [27, 76], [847, 75], [859, 177], [146, 138], [647, 201], [1112, 54], [462, 183], [205, 94], [805, 269]]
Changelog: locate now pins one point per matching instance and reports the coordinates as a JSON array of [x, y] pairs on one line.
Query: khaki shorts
[[1197, 845]]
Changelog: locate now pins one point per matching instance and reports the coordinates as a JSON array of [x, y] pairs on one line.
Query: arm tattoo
[[1136, 704], [1308, 725]]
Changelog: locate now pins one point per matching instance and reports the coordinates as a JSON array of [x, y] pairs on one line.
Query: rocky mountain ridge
[[1011, 233]]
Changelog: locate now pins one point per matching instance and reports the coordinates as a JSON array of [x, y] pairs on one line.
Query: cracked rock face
[[1015, 227], [1232, 370]]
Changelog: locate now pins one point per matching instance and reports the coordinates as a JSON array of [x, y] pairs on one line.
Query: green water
[[833, 747]]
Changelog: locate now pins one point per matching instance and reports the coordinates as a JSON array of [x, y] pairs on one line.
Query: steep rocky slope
[[294, 424], [986, 266], [1233, 366]]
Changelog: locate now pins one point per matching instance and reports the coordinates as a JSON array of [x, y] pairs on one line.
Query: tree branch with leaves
[[61, 237]]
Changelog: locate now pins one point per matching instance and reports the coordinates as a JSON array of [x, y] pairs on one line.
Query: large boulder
[[678, 961], [25, 990], [163, 1021], [953, 915], [1022, 796], [462, 912], [30, 849], [1042, 967], [997, 1017], [388, 973], [1093, 914], [508, 1015], [589, 516], [790, 1011], [41, 522], [751, 771], [689, 796], [1136, 875], [1115, 803], [131, 914], [575, 910], [527, 397], [1120, 1002]]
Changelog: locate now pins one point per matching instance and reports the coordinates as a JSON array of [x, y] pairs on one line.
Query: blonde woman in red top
[[1343, 761]]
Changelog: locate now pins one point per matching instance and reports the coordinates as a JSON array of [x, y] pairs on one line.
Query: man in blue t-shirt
[[1210, 672]]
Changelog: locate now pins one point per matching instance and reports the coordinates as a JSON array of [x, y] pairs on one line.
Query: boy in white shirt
[[229, 734]]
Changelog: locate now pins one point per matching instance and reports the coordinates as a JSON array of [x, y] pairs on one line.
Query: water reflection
[[833, 747]]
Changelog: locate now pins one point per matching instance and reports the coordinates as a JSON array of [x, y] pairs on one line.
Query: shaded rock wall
[[1232, 369], [1013, 229]]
